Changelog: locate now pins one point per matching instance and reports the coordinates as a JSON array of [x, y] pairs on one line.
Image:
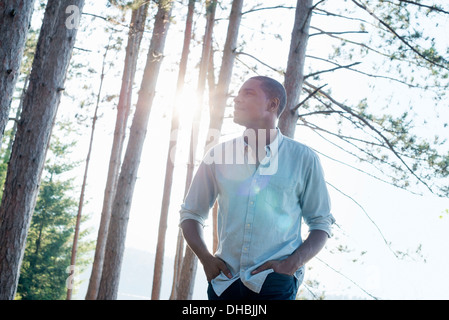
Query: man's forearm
[[193, 234], [309, 248]]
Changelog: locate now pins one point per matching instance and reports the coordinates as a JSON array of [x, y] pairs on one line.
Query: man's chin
[[237, 120]]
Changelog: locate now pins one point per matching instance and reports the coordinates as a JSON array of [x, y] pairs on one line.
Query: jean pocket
[[279, 286], [282, 275]]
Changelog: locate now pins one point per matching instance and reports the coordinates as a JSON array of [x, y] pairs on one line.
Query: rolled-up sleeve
[[201, 195], [315, 201]]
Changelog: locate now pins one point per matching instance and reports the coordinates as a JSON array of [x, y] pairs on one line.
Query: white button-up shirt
[[259, 206]]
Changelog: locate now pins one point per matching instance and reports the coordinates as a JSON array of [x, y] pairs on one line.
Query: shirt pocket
[[279, 192]]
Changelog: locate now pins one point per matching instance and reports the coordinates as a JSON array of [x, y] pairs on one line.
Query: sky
[[408, 222]]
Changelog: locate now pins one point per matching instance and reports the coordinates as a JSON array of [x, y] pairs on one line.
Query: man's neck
[[258, 138]]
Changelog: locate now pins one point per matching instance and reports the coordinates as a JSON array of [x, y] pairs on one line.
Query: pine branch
[[258, 60], [401, 38], [332, 69], [366, 47], [358, 169], [81, 49], [114, 22], [369, 74], [317, 4], [355, 156], [319, 112], [308, 97], [327, 13], [340, 136], [267, 8], [336, 32], [367, 215], [378, 133], [310, 291], [342, 114], [347, 140], [327, 265], [431, 8]]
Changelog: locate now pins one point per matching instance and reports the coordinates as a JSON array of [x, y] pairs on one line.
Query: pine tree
[[44, 270], [53, 53], [137, 26], [115, 244], [294, 75], [15, 17]]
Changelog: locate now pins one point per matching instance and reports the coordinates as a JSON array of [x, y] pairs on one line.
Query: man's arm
[[193, 233], [315, 205], [309, 249]]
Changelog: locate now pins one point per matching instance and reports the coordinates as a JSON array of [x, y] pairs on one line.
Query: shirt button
[[251, 203]]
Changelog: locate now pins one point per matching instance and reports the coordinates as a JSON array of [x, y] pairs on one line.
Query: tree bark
[[51, 61], [294, 76], [15, 17], [122, 201], [171, 155], [225, 76], [123, 108], [86, 170], [189, 262]]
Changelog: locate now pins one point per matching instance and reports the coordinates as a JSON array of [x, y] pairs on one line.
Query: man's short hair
[[273, 89]]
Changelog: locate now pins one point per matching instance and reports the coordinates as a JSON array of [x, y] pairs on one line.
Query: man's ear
[[274, 104]]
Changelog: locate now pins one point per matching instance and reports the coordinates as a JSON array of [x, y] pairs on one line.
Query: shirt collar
[[271, 149]]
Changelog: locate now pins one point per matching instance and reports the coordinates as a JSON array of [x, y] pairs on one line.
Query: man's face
[[251, 106]]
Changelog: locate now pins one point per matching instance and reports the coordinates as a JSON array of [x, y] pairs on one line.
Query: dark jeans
[[276, 287]]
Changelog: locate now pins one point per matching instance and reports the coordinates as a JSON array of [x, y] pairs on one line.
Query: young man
[[265, 183]]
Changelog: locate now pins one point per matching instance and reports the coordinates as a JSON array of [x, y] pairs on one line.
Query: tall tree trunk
[[16, 120], [177, 265], [171, 156], [188, 271], [214, 227], [137, 27], [86, 170], [294, 76], [53, 53], [180, 242], [122, 201], [15, 17], [220, 93], [212, 88], [189, 262], [225, 76]]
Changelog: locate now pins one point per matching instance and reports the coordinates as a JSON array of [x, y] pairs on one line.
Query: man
[[265, 183]]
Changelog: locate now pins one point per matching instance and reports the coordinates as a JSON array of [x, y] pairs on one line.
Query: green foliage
[[126, 4], [406, 57], [47, 253], [4, 157], [49, 242], [410, 31]]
